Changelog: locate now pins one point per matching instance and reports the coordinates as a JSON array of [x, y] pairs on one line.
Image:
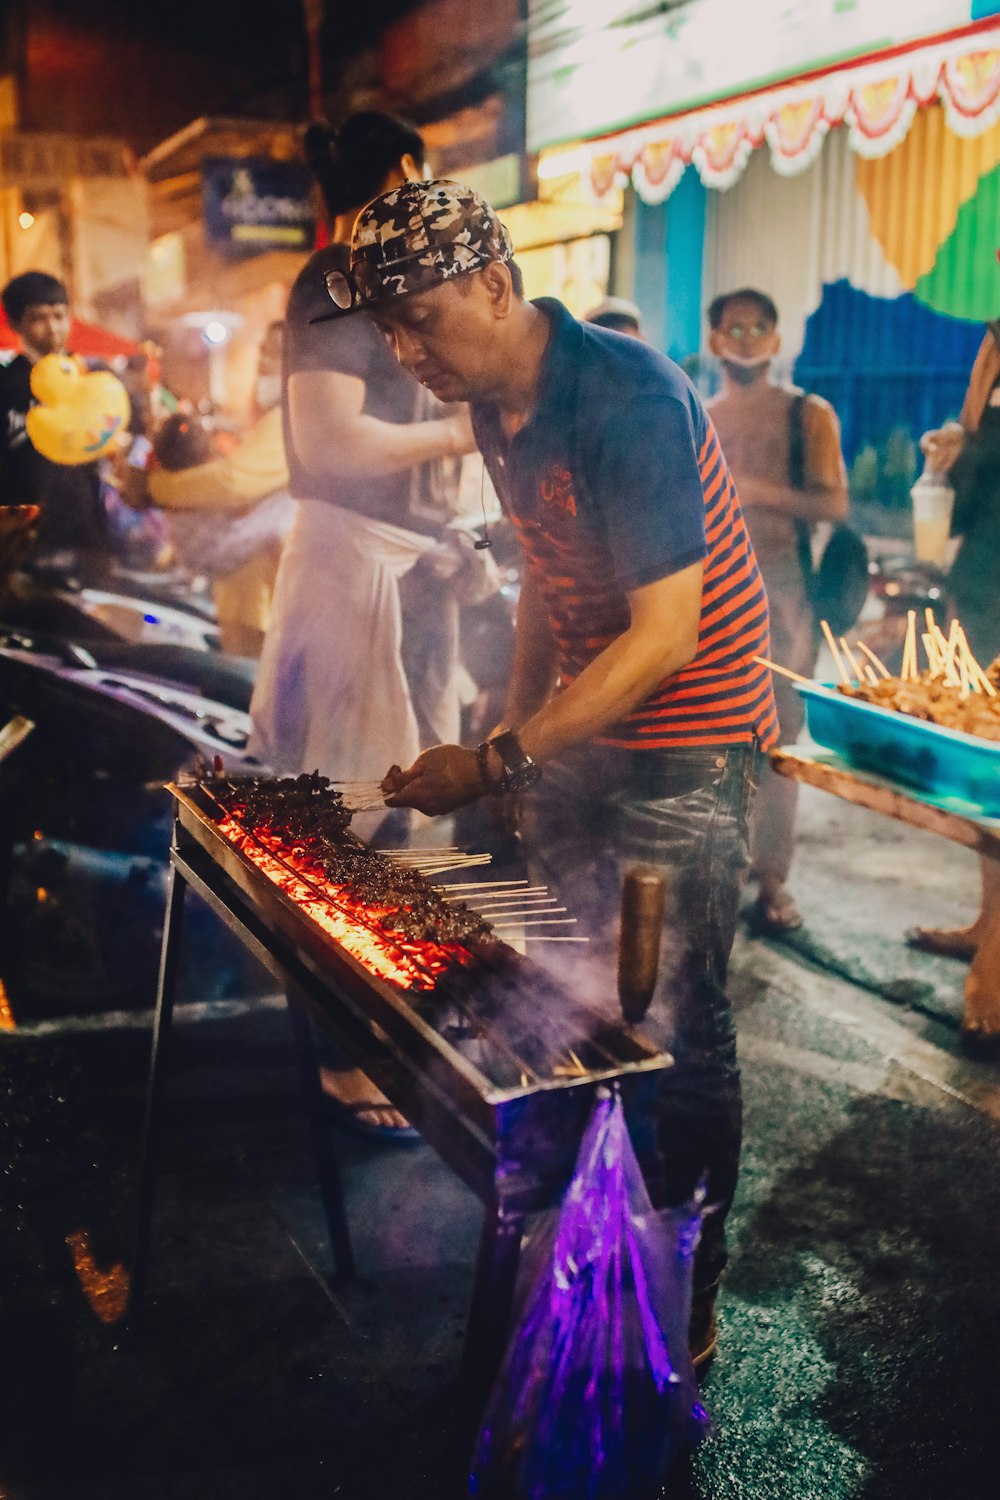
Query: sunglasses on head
[[346, 289]]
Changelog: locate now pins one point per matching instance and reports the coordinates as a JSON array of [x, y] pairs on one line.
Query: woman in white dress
[[373, 462]]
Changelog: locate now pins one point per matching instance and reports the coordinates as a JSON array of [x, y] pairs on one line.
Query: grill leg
[[324, 1155], [488, 1328], [12, 736], [153, 1133]]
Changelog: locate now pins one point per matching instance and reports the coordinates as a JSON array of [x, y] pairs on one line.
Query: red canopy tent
[[88, 339]]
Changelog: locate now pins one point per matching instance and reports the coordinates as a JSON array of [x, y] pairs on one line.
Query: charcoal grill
[[492, 1062]]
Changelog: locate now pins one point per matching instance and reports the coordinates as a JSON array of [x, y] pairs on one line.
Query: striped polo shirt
[[616, 482]]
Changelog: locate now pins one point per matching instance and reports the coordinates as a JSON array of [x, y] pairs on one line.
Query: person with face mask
[[230, 514], [783, 449], [73, 525]]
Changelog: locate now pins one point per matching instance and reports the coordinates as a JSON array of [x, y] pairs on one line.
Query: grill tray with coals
[[472, 1030]]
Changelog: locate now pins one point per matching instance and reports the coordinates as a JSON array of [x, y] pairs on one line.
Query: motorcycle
[[86, 818]]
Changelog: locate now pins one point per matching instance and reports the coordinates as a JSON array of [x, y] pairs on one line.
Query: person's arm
[[533, 670], [966, 476], [333, 435], [824, 495], [254, 470], [662, 637]]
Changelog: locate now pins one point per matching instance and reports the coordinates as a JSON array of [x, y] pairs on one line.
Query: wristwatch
[[519, 770]]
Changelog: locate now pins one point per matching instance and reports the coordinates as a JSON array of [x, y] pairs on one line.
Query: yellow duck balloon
[[79, 415]]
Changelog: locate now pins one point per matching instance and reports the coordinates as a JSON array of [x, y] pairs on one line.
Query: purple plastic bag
[[597, 1392]]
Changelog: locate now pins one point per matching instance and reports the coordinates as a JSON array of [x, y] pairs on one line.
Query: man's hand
[[440, 779]]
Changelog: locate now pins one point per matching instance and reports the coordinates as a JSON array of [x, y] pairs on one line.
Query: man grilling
[[635, 705]]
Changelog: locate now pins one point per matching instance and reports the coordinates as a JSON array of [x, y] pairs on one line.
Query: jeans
[[598, 810]]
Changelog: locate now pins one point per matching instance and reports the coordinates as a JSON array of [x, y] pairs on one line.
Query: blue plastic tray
[[944, 762]]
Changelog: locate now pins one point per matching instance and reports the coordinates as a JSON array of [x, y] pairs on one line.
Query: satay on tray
[[953, 691]]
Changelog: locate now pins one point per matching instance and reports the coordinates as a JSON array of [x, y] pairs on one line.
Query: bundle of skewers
[[952, 691], [306, 820]]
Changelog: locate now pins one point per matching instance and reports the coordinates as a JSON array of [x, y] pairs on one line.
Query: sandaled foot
[[948, 942], [774, 913], [354, 1101]]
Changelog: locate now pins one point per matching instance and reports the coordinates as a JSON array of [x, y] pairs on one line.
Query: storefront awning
[[876, 101]]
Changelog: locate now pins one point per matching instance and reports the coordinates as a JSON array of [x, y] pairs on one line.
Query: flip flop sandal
[[349, 1115], [765, 922]]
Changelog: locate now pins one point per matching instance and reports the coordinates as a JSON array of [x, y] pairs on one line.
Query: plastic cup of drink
[[932, 507]]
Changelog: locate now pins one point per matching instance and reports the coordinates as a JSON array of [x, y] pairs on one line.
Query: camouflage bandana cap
[[415, 237]]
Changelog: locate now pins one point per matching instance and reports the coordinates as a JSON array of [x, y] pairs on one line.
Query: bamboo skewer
[[474, 863], [555, 921], [933, 654], [545, 938], [504, 898], [762, 661], [488, 894], [946, 650], [480, 885], [517, 899], [444, 865], [909, 668], [858, 671], [828, 633], [977, 677], [496, 918], [986, 684], [517, 893], [425, 849], [880, 666]]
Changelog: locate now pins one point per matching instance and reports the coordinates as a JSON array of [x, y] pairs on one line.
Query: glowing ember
[[7, 1021], [410, 964], [106, 1291]]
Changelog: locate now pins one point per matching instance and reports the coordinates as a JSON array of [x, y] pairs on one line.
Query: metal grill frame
[[514, 1148]]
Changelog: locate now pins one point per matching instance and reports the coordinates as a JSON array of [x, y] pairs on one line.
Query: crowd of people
[[666, 545]]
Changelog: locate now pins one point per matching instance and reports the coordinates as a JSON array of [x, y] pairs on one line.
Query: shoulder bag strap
[[797, 479]]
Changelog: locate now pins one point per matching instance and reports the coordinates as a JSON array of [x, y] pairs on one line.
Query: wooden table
[[824, 769]]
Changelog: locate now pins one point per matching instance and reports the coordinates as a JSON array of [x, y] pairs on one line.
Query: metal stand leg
[[488, 1326], [7, 837], [12, 736], [153, 1133], [324, 1155]]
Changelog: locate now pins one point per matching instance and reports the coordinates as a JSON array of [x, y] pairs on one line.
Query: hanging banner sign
[[252, 203], [596, 66], [876, 101]]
